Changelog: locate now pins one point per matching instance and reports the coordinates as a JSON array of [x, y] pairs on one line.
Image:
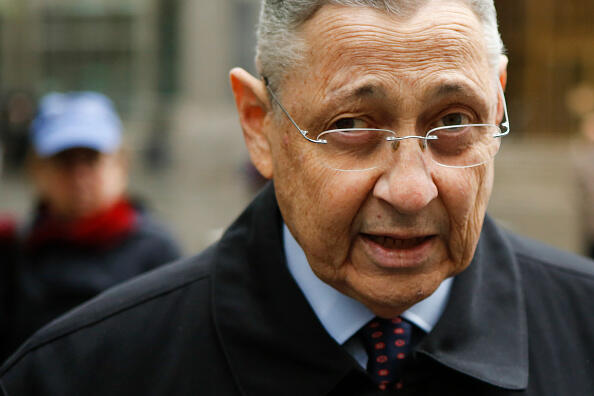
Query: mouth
[[389, 251], [397, 243]]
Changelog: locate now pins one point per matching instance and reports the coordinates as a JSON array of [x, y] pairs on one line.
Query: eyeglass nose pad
[[422, 144]]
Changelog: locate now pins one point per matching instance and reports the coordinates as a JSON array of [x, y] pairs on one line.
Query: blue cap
[[76, 119]]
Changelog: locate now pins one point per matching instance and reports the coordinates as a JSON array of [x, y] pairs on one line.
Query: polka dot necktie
[[388, 344]]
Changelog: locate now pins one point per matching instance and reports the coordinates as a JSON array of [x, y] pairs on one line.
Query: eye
[[349, 123], [452, 119]]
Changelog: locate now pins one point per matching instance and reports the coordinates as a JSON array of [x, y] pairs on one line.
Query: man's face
[[388, 236], [79, 182]]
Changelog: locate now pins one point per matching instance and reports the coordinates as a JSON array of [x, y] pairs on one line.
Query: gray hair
[[279, 46]]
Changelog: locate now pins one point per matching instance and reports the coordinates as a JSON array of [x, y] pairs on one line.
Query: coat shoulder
[[162, 242], [543, 258], [138, 297]]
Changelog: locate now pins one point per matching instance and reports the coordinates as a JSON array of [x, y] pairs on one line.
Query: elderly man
[[368, 267]]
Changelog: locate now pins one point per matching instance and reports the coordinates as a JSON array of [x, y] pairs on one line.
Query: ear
[[503, 61], [502, 73], [252, 106]]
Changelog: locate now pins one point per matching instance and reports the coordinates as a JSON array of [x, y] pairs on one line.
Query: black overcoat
[[232, 321]]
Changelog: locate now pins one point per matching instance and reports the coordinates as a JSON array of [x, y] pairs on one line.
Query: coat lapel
[[271, 337], [483, 331]]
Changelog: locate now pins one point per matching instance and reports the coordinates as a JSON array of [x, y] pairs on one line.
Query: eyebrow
[[448, 89], [455, 88], [367, 90], [371, 90]]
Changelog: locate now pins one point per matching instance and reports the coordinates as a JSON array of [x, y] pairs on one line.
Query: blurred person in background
[[16, 113], [85, 234], [368, 266]]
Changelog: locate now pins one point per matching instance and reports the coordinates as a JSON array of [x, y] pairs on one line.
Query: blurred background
[[165, 63]]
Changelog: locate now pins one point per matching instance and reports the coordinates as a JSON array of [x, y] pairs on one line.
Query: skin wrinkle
[[352, 35], [474, 214], [414, 38], [350, 99], [343, 95], [405, 11]]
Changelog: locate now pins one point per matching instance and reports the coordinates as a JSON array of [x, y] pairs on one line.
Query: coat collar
[[257, 307], [483, 331]]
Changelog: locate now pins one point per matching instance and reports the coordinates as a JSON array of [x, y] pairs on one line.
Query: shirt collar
[[341, 315]]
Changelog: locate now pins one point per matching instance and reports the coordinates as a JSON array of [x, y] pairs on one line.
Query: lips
[[393, 252], [397, 243]]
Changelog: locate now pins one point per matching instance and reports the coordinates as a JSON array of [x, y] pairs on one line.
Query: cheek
[[110, 182], [328, 225], [54, 185], [319, 206], [465, 194]]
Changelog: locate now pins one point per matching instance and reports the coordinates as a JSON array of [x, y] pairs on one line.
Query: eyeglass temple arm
[[303, 132], [504, 124]]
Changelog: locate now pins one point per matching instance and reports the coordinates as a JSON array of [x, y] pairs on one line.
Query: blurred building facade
[[129, 49], [151, 53], [74, 45], [551, 48]]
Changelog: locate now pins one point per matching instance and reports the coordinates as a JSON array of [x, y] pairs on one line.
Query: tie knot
[[388, 344]]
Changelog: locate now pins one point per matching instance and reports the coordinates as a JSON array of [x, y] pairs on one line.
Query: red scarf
[[7, 228], [99, 230]]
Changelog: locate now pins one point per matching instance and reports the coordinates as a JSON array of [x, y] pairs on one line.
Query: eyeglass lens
[[454, 146]]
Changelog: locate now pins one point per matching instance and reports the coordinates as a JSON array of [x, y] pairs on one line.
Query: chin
[[82, 211], [392, 306], [389, 298]]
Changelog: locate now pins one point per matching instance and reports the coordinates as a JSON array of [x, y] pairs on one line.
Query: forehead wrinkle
[[351, 42], [396, 52]]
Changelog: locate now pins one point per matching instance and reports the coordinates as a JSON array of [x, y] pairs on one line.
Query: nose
[[407, 183], [79, 172]]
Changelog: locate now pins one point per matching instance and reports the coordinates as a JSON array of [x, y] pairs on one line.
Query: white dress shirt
[[343, 316]]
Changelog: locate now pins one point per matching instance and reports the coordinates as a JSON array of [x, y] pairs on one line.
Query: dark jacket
[[7, 260], [232, 321], [54, 273]]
